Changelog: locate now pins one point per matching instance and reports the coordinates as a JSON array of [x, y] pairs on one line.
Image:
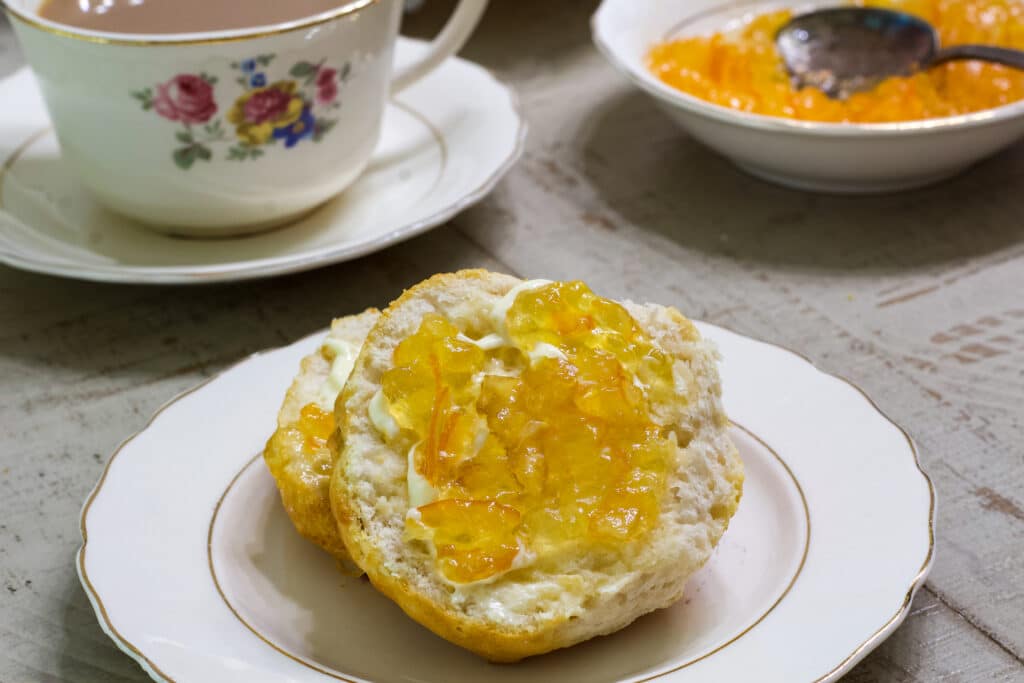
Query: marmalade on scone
[[743, 70], [316, 426], [538, 445]]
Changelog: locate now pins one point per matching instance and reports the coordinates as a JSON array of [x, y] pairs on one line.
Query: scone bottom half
[[301, 453], [526, 465]]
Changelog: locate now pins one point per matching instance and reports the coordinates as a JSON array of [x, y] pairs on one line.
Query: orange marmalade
[[537, 441], [743, 70], [316, 426]]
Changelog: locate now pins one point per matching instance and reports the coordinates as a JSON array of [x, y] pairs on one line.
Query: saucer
[[445, 143], [195, 571]]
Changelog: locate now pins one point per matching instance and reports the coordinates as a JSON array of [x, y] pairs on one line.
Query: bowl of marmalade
[[713, 66]]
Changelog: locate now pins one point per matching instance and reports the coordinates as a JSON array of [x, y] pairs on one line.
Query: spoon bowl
[[843, 50]]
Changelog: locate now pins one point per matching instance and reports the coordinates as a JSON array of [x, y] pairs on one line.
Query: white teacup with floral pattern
[[226, 132]]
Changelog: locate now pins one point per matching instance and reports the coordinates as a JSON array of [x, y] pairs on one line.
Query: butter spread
[[380, 416], [487, 343], [545, 350], [420, 490], [345, 355]]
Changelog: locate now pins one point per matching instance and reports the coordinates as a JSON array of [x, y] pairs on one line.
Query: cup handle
[[452, 37]]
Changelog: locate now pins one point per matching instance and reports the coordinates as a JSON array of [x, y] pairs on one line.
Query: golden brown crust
[[309, 511], [494, 645]]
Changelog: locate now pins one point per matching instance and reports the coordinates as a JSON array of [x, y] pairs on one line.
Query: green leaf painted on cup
[[303, 70], [243, 153], [184, 136], [321, 128], [184, 157], [145, 98]]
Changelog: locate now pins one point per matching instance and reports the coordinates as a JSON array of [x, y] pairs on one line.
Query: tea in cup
[[197, 119]]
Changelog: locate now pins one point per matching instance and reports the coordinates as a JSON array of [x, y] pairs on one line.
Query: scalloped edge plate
[[867, 545]]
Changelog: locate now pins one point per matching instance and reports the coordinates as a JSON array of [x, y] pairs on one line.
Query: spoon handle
[[986, 53]]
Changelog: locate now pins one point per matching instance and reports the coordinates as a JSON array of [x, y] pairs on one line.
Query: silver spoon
[[843, 50]]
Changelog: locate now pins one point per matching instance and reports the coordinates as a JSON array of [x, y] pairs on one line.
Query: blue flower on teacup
[[258, 80], [303, 127]]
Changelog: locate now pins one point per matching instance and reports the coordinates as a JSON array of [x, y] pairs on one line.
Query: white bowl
[[826, 157]]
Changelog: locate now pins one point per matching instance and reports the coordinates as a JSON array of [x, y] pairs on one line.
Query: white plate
[[195, 571], [446, 141]]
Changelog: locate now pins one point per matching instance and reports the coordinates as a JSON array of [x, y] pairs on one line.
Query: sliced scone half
[[301, 453], [527, 465]]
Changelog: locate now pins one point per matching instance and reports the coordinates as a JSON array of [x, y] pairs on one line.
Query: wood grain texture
[[916, 297]]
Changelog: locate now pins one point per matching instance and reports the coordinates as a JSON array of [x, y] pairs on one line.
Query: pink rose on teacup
[[186, 98], [268, 104], [326, 85]]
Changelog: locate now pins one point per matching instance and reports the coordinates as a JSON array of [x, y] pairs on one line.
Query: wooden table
[[916, 297]]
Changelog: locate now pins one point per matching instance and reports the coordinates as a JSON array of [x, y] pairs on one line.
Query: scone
[[301, 453], [526, 465]]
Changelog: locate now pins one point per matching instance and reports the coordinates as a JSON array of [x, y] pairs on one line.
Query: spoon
[[843, 50]]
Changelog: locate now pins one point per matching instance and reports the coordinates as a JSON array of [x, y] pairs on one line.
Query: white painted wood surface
[[917, 297]]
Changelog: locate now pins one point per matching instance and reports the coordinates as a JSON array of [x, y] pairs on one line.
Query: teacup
[[225, 132]]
